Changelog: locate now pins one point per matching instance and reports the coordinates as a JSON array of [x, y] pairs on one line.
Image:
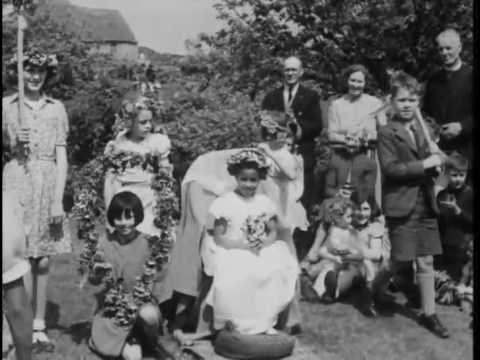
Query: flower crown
[[337, 208], [33, 57], [248, 156], [266, 120], [129, 110]]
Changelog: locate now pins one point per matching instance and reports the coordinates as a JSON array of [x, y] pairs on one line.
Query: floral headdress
[[129, 110], [33, 57], [336, 209], [272, 122], [246, 157]]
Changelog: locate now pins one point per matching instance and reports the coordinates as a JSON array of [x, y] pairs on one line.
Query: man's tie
[[412, 130], [290, 91]]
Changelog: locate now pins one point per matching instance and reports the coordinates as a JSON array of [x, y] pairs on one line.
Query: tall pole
[[23, 148]]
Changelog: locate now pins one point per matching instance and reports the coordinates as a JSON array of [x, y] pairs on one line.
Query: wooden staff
[[432, 146], [21, 26]]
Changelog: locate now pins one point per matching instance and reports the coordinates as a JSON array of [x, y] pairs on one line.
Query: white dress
[[249, 290], [136, 179], [206, 179]]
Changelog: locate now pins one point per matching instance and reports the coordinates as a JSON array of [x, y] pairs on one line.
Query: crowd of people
[[381, 196]]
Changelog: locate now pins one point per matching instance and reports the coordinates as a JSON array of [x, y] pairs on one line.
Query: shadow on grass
[[52, 315], [80, 332], [355, 298]]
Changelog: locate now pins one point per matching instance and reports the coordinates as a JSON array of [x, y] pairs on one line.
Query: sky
[[163, 25]]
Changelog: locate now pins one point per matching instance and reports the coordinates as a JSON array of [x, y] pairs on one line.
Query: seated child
[[128, 319], [335, 267], [455, 203]]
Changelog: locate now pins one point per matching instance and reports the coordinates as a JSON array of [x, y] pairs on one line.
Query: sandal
[[40, 340]]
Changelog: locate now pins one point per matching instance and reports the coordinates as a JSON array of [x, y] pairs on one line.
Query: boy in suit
[[408, 195], [456, 224]]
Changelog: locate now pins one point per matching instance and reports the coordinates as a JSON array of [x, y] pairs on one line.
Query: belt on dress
[[42, 157]]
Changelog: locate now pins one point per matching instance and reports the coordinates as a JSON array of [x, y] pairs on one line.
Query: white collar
[[294, 88], [455, 66]]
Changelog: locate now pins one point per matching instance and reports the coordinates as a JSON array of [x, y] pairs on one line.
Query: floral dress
[[249, 290], [35, 183]]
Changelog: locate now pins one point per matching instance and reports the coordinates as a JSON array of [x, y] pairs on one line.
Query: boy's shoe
[[433, 324]]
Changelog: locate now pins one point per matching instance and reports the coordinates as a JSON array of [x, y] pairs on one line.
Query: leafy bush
[[90, 99], [331, 34]]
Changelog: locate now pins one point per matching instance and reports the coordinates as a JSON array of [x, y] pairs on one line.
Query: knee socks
[[426, 285]]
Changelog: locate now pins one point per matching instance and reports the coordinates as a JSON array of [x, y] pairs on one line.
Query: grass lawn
[[336, 332]]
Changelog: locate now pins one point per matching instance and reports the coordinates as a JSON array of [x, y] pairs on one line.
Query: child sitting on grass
[[122, 327], [331, 270]]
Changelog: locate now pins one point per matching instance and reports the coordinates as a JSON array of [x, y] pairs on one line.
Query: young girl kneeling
[[121, 257]]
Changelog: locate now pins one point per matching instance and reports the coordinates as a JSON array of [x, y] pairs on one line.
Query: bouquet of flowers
[[256, 229]]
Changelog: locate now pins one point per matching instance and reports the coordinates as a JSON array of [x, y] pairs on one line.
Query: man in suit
[[303, 105], [449, 96], [409, 201]]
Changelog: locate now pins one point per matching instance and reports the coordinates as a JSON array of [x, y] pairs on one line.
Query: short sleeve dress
[[35, 183], [138, 181], [248, 289]]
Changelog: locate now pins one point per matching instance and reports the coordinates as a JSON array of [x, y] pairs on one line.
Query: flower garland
[[256, 229], [119, 304]]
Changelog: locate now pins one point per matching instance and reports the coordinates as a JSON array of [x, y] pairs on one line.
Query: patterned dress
[[35, 183]]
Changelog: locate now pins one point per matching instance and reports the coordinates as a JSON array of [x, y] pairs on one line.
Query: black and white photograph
[[238, 179]]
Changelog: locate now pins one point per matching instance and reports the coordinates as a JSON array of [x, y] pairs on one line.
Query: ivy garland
[[119, 304]]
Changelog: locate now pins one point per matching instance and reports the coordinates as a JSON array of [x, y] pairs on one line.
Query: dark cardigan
[[449, 98]]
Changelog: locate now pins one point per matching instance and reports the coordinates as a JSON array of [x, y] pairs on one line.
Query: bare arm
[[374, 251]]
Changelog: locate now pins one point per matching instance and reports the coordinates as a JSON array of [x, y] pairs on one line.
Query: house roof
[[103, 25]]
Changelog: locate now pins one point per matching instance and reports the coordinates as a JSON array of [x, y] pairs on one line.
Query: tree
[[331, 34]]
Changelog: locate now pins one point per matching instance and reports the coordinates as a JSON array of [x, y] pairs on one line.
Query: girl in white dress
[[207, 179], [254, 274]]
